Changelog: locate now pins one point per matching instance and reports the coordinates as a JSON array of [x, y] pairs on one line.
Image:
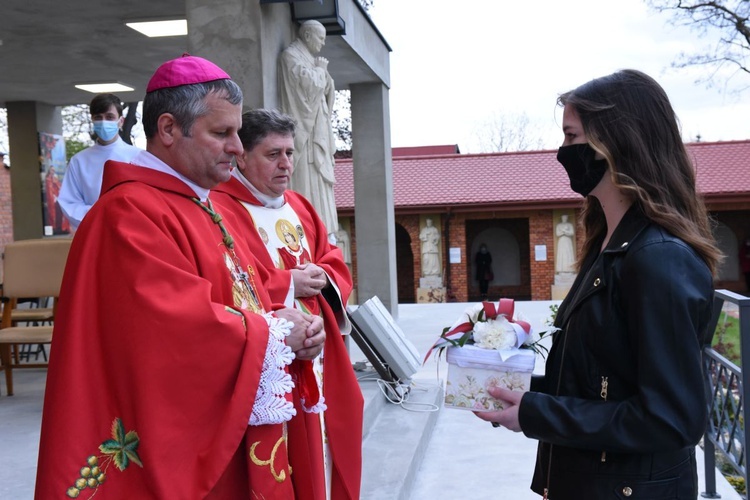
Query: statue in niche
[[307, 94], [565, 256], [430, 238], [342, 241]]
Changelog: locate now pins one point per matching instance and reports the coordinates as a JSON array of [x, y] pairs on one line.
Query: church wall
[[460, 284], [541, 232]]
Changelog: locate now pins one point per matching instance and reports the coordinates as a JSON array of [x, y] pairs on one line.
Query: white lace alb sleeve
[[271, 405]]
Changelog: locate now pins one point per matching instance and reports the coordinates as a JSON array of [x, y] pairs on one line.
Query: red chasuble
[[156, 359], [343, 396]]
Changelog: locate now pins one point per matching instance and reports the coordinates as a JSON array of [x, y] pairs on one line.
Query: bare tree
[[76, 122], [508, 132], [341, 119], [728, 55]]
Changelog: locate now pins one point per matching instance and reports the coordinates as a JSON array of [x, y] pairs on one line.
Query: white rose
[[495, 334]]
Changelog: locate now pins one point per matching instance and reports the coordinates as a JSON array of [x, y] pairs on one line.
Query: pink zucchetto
[[185, 70]]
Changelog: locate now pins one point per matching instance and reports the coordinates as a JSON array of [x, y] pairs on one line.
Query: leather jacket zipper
[[603, 394], [557, 393]]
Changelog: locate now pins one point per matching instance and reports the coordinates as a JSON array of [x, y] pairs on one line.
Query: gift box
[[472, 370]]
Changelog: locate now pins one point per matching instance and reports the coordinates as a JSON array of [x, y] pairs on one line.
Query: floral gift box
[[472, 370], [486, 348]]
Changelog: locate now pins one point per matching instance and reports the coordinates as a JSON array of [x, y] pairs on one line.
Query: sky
[[456, 65]]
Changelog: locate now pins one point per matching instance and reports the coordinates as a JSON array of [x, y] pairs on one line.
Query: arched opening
[[727, 242], [507, 242], [404, 267]]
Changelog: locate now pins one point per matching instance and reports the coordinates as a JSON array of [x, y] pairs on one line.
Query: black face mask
[[584, 171]]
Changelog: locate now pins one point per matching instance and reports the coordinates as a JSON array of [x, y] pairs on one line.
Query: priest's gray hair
[[186, 103], [258, 123]]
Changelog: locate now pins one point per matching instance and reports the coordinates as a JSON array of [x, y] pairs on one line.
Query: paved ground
[[466, 457]]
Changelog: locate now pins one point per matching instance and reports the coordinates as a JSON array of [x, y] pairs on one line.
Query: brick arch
[[728, 244], [508, 242], [404, 266]]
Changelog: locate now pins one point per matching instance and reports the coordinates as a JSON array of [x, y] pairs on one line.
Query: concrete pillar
[[373, 190], [25, 120], [245, 40]]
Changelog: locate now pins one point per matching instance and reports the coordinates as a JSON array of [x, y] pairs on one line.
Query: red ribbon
[[505, 307]]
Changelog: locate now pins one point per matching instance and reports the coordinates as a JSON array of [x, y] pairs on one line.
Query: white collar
[[148, 160], [266, 200]]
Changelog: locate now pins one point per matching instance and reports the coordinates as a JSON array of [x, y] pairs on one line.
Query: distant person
[[83, 178], [307, 94], [745, 263], [621, 406], [483, 269], [2, 160], [306, 271], [168, 379]]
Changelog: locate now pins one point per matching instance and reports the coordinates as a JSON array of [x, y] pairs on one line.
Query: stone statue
[[430, 238], [565, 256], [342, 241], [307, 94]]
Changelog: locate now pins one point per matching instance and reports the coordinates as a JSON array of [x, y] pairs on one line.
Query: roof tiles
[[528, 178]]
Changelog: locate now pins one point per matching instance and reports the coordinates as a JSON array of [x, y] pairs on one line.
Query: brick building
[[511, 202]]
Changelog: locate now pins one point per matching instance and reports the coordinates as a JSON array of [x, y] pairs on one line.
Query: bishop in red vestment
[[281, 226], [168, 373]]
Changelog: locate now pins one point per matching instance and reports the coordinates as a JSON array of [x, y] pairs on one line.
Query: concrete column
[[25, 120], [373, 191], [245, 40]]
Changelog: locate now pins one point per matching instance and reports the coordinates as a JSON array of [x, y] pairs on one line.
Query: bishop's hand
[[307, 336], [309, 280]]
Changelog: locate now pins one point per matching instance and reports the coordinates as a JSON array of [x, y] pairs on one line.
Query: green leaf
[[122, 447], [118, 431], [109, 447]]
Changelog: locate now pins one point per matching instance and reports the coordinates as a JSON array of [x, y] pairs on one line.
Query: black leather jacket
[[622, 403]]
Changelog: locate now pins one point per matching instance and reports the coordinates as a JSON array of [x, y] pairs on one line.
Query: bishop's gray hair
[[186, 103]]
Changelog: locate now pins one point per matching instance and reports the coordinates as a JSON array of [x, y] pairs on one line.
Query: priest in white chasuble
[[290, 240]]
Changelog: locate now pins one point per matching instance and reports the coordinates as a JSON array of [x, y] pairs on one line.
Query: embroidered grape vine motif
[[120, 450]]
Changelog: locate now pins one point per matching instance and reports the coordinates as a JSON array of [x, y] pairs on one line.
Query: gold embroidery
[[120, 450], [244, 292], [288, 234], [279, 477]]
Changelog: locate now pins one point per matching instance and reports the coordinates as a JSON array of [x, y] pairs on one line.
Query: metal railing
[[728, 390]]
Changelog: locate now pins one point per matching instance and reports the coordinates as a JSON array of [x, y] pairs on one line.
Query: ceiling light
[[100, 88], [171, 27]]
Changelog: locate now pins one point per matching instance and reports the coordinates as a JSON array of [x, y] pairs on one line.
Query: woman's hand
[[507, 417]]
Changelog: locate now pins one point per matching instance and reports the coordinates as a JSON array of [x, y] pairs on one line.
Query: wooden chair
[[35, 314], [31, 268]]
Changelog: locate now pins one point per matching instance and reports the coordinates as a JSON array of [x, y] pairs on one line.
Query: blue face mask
[[106, 130]]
